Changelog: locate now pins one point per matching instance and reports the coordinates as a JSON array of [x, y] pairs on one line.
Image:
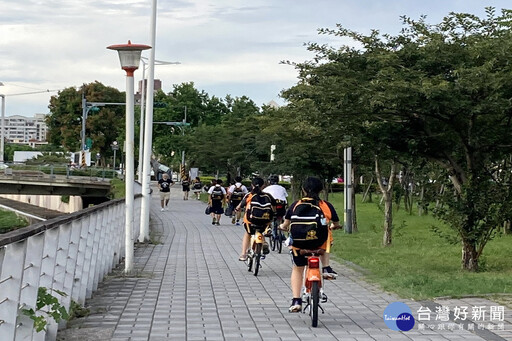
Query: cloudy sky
[[224, 46]]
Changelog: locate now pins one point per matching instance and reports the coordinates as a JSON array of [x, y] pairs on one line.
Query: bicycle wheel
[[273, 241], [315, 299], [279, 241], [257, 259], [250, 259]]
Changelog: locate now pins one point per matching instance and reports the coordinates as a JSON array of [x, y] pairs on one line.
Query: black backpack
[[198, 185], [237, 195], [308, 227], [217, 193], [260, 211]]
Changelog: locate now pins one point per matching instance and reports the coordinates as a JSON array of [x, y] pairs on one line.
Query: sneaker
[[213, 221], [217, 223], [161, 209], [296, 305], [237, 223], [323, 297], [266, 249], [329, 273], [233, 220]]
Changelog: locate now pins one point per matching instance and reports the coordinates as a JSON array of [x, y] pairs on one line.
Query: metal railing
[[71, 253]]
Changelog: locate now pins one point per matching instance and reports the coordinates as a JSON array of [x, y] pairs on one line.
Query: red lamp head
[[129, 55]]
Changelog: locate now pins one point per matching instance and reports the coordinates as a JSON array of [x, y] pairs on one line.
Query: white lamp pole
[[3, 130], [142, 103], [129, 56], [141, 127], [2, 127], [148, 134]]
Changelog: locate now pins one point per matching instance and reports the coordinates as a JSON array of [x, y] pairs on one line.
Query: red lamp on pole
[[129, 56]]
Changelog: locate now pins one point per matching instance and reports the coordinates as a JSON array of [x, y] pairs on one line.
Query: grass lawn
[[419, 264], [10, 221]]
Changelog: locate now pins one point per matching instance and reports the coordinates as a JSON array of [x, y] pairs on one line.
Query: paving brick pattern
[[189, 285]]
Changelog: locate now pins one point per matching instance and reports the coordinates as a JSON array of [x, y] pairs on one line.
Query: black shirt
[[165, 185]]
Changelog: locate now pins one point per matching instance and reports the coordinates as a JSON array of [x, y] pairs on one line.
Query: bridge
[[189, 285], [39, 183]]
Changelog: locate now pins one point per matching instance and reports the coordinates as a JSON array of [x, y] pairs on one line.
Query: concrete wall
[[52, 202]]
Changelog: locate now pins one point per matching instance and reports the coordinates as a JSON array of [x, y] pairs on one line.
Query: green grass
[[10, 221], [117, 188], [419, 264]]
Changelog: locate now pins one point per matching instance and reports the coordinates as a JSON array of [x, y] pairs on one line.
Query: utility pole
[[183, 133], [84, 117], [347, 193]]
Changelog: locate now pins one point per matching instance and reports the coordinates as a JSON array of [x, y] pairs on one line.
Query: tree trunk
[[387, 196], [388, 218], [506, 227], [469, 256], [296, 187], [355, 184], [368, 192], [421, 206]]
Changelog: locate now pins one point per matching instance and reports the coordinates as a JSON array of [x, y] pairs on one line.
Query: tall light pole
[[2, 127], [142, 100], [129, 56], [148, 134]]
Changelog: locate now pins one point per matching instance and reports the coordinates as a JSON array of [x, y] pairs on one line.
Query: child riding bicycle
[[259, 211], [279, 193], [308, 234]]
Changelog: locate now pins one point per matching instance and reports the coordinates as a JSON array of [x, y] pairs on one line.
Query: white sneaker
[[161, 210]]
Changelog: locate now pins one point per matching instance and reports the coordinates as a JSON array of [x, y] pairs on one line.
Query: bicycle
[[255, 251], [277, 236], [312, 290]]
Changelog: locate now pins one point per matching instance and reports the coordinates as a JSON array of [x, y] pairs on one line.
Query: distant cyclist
[[256, 198], [320, 238], [279, 193], [236, 193]]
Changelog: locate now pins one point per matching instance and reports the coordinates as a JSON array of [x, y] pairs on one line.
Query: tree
[[65, 119], [442, 92]]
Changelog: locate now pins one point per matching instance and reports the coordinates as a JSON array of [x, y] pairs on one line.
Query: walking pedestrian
[[164, 185], [216, 200], [197, 186], [185, 184]]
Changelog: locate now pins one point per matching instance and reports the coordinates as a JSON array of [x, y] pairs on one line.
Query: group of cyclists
[[264, 202]]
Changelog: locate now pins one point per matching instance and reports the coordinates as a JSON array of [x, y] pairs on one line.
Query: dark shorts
[[217, 207], [251, 229], [299, 260]]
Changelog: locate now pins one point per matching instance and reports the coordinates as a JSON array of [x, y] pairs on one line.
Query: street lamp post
[[3, 131], [148, 133], [142, 103], [129, 56], [2, 127]]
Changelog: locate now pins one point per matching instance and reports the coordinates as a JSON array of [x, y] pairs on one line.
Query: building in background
[[143, 87], [26, 130]]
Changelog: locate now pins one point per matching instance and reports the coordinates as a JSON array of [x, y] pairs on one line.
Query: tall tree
[[65, 119], [444, 91]]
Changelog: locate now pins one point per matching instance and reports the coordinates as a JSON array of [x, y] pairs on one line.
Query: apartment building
[[26, 130]]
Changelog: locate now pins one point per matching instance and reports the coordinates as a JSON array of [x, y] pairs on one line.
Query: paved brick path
[[191, 286]]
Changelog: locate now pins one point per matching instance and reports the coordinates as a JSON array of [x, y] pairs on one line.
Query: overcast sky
[[224, 46]]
